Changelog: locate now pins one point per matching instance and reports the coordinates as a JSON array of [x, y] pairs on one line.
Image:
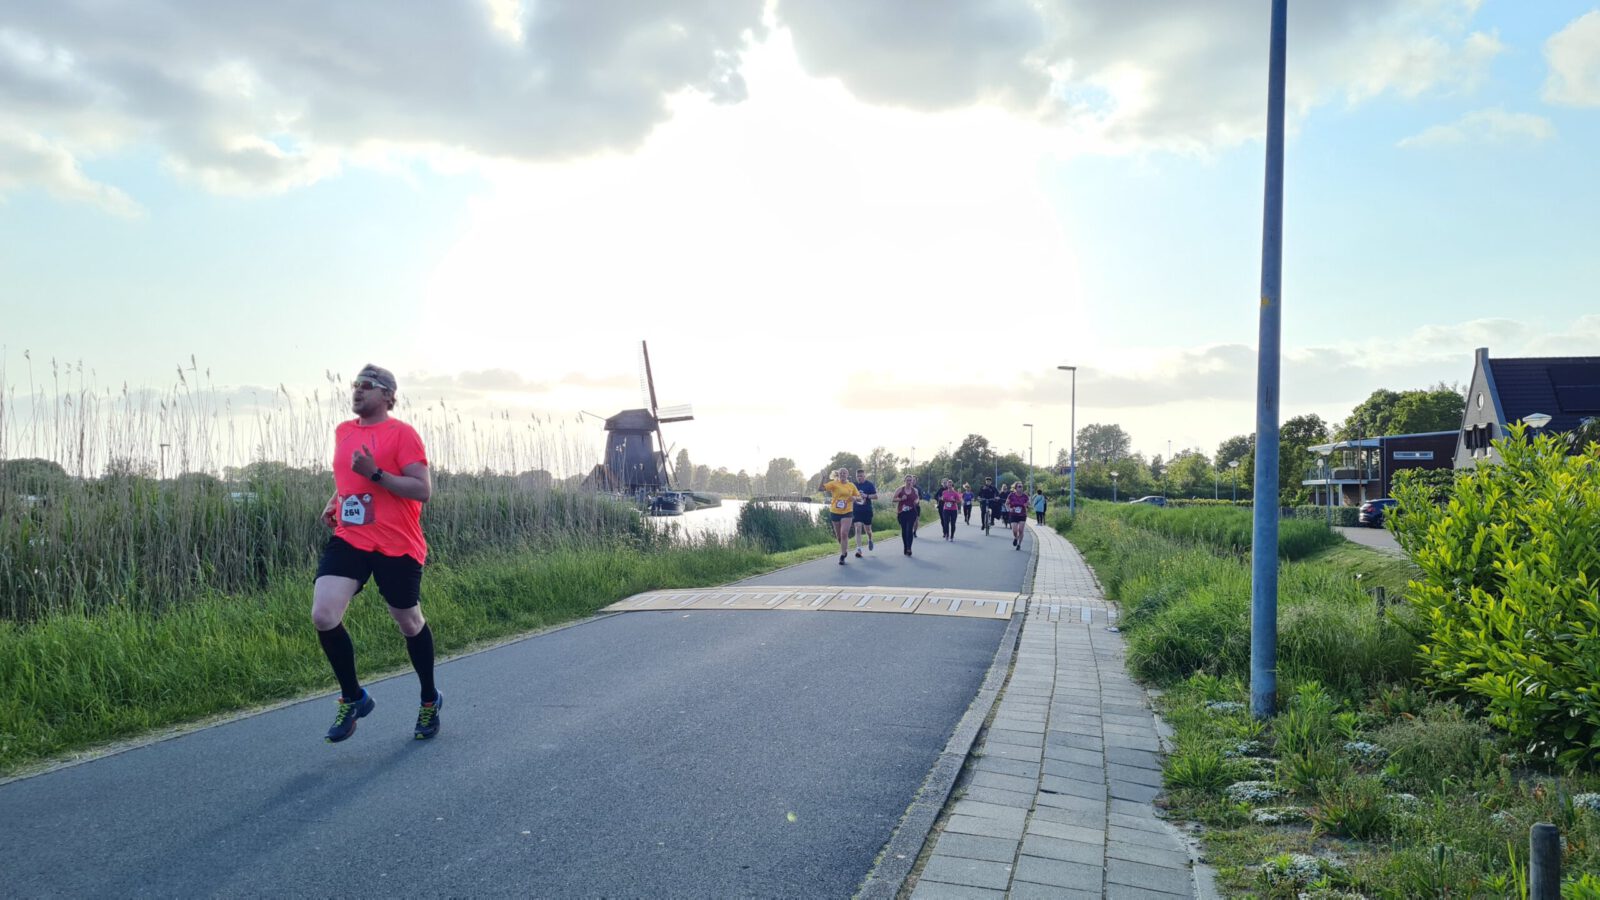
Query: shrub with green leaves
[[1510, 594]]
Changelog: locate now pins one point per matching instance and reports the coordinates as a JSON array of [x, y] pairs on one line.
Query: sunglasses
[[367, 384]]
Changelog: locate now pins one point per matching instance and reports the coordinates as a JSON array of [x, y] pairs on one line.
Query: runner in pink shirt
[[949, 508], [1016, 512]]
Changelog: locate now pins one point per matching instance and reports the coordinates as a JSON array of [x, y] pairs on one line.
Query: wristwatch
[[376, 476]]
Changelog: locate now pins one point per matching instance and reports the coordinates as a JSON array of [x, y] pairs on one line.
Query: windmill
[[636, 456]]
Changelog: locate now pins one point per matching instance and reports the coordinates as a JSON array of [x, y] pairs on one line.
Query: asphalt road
[[973, 561], [674, 754], [1376, 538]]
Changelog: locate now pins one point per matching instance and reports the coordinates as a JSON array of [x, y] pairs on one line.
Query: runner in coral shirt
[[381, 480]]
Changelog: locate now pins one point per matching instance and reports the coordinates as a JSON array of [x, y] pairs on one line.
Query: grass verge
[[78, 680], [1364, 784]]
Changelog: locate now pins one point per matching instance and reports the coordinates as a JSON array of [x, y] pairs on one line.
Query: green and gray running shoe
[[428, 717], [344, 724]]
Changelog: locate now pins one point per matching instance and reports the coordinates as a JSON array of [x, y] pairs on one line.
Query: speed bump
[[823, 598], [977, 604], [881, 600]]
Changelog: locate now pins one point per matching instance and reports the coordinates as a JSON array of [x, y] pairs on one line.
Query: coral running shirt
[[370, 518], [1017, 503], [950, 499]]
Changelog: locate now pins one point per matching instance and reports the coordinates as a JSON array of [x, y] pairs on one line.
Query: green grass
[[75, 680], [1415, 797]]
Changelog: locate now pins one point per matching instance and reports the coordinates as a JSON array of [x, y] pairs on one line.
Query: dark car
[[1153, 500], [1372, 511]]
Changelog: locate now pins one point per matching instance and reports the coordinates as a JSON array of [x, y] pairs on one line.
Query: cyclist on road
[[989, 503]]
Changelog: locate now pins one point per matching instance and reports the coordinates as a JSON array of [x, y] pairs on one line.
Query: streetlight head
[[1115, 474], [1536, 420], [1030, 424], [1068, 368], [1233, 464]]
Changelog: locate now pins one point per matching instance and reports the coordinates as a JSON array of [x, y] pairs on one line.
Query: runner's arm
[[412, 482]]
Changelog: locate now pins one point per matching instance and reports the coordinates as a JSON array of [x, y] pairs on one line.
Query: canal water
[[717, 521]]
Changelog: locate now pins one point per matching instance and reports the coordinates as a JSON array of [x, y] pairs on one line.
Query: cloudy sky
[[839, 224]]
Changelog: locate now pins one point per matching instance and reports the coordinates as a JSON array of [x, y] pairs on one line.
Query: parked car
[[1153, 500], [1371, 514]]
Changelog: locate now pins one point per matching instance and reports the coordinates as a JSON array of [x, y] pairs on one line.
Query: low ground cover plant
[[1366, 783]]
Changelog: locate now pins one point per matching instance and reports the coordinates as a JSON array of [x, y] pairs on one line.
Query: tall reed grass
[[135, 499]]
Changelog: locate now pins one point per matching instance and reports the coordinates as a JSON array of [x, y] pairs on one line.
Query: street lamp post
[[1264, 522], [1327, 480], [1234, 465], [1029, 426], [1113, 487], [1072, 447]]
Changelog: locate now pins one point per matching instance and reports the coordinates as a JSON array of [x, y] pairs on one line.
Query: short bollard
[[1544, 862]]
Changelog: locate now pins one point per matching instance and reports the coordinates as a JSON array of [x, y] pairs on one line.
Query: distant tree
[[535, 480], [1239, 447], [1190, 474], [683, 470], [1437, 409], [783, 477], [37, 477], [841, 460], [883, 466], [1371, 416], [1295, 459], [129, 467], [1105, 443]]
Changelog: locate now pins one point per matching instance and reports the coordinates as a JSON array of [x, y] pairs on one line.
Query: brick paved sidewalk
[[1058, 797]]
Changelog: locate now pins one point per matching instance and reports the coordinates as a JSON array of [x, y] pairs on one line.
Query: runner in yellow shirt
[[842, 495]]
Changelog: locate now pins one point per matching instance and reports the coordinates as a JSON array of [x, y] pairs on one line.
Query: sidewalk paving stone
[[1058, 797]]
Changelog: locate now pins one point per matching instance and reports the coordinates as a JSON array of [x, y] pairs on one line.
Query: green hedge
[[1511, 590]]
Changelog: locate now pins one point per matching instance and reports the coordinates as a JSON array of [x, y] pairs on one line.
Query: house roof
[[1566, 388]]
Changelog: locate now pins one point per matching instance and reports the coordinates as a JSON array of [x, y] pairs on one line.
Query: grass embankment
[[1364, 783]]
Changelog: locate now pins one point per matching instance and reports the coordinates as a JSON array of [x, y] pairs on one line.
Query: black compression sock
[[341, 653], [420, 648]]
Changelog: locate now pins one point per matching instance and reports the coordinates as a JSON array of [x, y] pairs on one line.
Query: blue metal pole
[[1264, 537]]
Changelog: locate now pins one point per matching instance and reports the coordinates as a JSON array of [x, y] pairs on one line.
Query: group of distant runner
[[850, 505]]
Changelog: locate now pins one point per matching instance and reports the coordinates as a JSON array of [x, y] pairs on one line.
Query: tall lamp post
[[1234, 465], [1264, 522], [1113, 487], [1072, 451], [1327, 480], [1029, 426]]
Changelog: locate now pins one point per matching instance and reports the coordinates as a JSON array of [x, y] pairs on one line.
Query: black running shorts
[[863, 514], [399, 578]]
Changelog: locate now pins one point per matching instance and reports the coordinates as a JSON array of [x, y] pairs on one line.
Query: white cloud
[[245, 98], [1574, 57], [1493, 125], [30, 159]]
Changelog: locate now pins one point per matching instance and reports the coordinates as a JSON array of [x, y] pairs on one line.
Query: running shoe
[[344, 723], [858, 553], [841, 559], [428, 717]]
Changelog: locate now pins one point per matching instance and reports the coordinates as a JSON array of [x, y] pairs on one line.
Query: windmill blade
[[649, 378], [681, 413]]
